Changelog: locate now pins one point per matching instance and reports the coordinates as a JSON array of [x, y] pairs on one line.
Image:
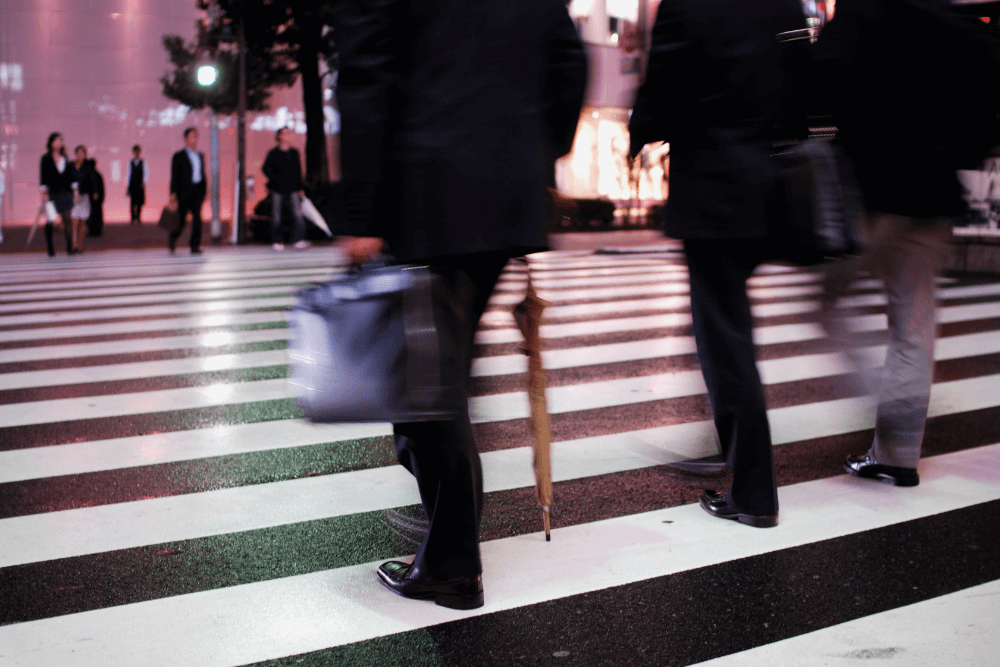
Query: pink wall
[[90, 69]]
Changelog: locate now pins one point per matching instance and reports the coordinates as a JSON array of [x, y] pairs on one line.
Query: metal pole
[[214, 135], [241, 133]]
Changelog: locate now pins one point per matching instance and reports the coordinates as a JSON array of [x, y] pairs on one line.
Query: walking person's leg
[[906, 257], [49, 245], [443, 458], [196, 224], [277, 233], [79, 231], [723, 330], [182, 211], [298, 231], [67, 225]]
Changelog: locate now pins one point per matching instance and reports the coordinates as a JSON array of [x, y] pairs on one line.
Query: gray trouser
[[291, 203], [905, 253]]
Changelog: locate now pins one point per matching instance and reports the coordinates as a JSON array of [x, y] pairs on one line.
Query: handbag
[[51, 214], [823, 214], [170, 219], [382, 343]]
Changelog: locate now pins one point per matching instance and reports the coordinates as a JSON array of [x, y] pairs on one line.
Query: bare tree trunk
[[317, 165]]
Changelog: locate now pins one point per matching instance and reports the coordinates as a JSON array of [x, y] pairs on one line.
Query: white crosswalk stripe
[[107, 363]]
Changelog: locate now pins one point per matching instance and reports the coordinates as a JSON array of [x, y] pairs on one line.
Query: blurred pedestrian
[[137, 178], [85, 195], [904, 80], [283, 169], [451, 113], [58, 185], [187, 189], [95, 223], [716, 88]]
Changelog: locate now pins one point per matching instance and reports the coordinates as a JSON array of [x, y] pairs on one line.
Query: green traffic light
[[207, 74]]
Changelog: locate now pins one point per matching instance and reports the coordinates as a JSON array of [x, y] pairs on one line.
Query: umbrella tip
[[548, 538]]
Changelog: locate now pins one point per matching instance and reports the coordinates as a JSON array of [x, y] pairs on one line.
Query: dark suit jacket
[[905, 82], [181, 175], [56, 182], [452, 111], [717, 89]]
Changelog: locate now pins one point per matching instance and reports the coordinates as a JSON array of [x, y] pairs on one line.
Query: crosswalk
[[163, 503]]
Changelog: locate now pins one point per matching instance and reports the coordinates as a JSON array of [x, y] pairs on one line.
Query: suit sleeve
[[666, 98], [367, 41], [565, 82]]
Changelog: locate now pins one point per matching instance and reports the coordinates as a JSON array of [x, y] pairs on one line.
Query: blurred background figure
[[718, 90], [58, 185], [85, 194], [453, 112], [904, 80], [283, 168], [187, 189], [137, 178], [95, 223]]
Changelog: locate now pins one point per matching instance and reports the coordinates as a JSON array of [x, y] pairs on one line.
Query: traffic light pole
[[240, 215], [213, 133]]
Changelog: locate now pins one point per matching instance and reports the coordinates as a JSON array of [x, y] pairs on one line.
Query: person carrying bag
[[910, 87], [452, 184]]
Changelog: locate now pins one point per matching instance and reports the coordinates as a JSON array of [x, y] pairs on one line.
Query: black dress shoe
[[457, 593], [717, 505], [865, 466], [196, 251]]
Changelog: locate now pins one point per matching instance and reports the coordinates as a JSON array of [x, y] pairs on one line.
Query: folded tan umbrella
[[528, 315]]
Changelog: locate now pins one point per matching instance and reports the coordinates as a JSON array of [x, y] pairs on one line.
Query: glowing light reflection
[[217, 339], [218, 392], [219, 363], [220, 320]]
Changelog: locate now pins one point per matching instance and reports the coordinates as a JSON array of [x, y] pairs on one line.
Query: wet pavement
[[163, 503]]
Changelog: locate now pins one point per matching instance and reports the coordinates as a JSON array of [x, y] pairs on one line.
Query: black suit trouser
[[723, 331], [442, 455], [194, 207], [67, 225], [137, 199]]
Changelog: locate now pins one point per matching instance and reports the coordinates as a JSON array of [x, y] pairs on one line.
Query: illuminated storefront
[[615, 34]]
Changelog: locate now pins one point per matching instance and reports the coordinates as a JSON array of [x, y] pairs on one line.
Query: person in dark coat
[[452, 112], [717, 89], [95, 223], [58, 184], [903, 79], [86, 186], [137, 177], [187, 189], [283, 169]]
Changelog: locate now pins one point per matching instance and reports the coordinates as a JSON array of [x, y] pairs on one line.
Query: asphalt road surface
[[162, 502]]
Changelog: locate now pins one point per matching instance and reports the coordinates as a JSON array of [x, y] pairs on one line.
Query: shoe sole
[[884, 478]]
